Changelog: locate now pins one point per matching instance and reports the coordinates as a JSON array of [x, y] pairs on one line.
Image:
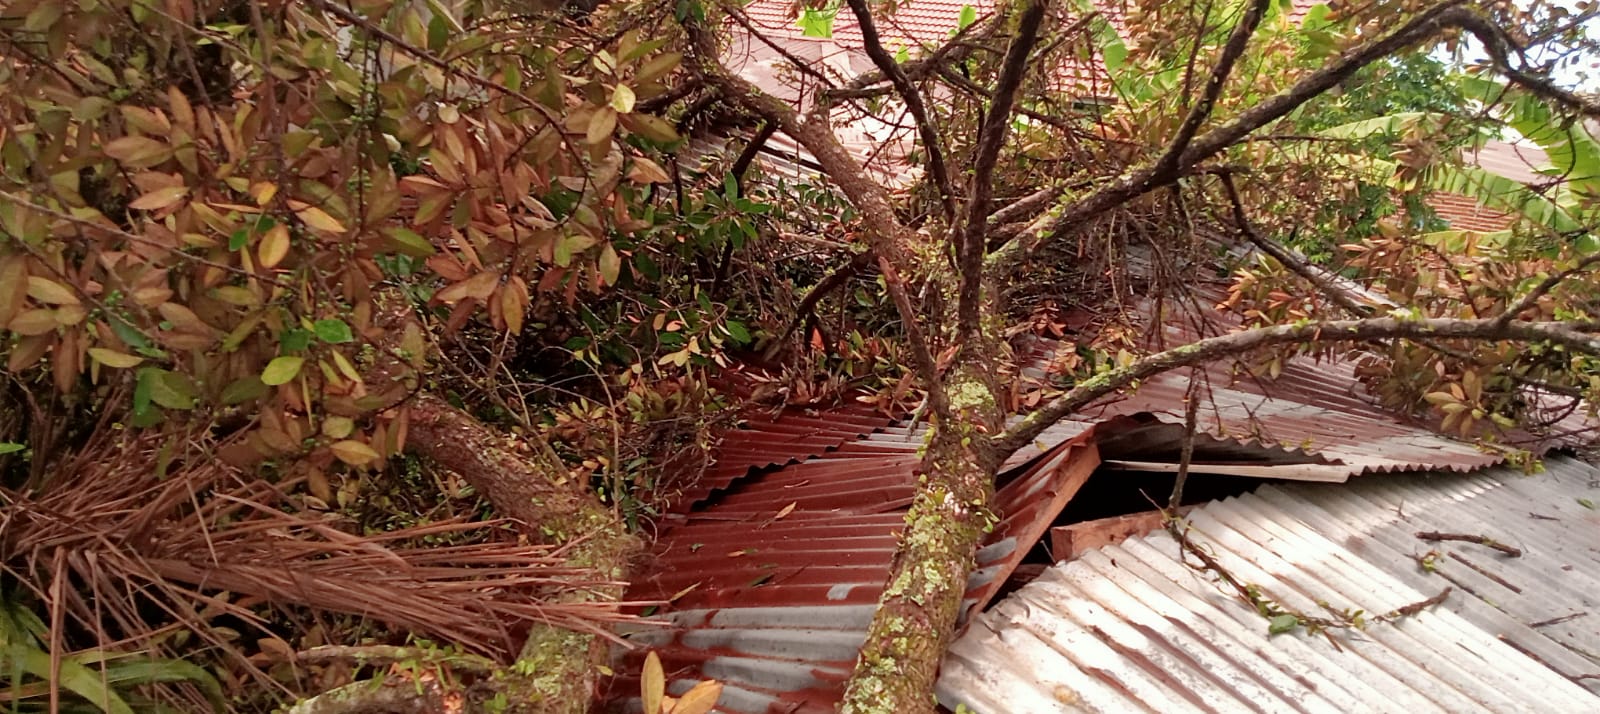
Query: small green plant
[[103, 679]]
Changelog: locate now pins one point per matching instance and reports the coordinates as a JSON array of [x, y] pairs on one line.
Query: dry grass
[[144, 534]]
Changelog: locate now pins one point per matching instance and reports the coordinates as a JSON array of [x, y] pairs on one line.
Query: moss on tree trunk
[[917, 612]]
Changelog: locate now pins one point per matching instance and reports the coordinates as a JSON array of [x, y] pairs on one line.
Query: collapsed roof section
[[774, 564]]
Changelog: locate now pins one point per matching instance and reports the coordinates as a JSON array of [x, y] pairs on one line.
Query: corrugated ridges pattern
[[924, 23], [1466, 214], [766, 439], [1130, 627], [914, 22], [774, 581]]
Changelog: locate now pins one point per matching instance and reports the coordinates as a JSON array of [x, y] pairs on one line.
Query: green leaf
[[1390, 125], [1282, 623], [409, 242], [243, 390], [281, 370], [737, 331], [43, 17], [816, 23], [73, 676], [647, 265], [156, 670], [173, 390], [969, 15], [333, 332], [141, 394], [134, 338], [1586, 244], [438, 33], [8, 447], [294, 339]]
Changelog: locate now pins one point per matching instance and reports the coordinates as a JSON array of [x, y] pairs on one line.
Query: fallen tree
[[310, 238]]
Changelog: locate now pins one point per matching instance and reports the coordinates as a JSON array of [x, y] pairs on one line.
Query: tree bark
[[557, 669], [912, 627]]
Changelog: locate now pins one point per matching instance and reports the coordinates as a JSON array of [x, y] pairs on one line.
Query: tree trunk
[[558, 668], [918, 609]]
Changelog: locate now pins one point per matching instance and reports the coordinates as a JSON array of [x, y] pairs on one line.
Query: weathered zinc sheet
[[1130, 627], [1318, 409], [773, 583]]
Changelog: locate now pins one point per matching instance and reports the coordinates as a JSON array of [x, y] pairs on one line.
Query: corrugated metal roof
[[775, 578], [1317, 409], [1463, 213], [766, 438], [1524, 163], [1131, 627], [777, 559]]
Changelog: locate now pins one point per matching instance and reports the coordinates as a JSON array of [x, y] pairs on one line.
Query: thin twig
[[1558, 620], [1486, 541], [386, 654], [1191, 413]]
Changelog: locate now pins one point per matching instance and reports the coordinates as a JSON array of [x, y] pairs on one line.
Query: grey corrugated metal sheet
[[1318, 409], [1130, 627]]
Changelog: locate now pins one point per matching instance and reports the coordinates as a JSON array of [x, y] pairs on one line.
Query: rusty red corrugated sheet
[[1466, 214], [773, 580]]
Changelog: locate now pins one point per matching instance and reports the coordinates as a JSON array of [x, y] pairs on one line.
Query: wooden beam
[[1070, 541], [1321, 473]]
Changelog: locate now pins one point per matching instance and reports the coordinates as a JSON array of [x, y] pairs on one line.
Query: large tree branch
[[1025, 207], [931, 141], [808, 303], [958, 49], [1576, 336], [800, 65], [1318, 278], [1231, 52], [1545, 286], [991, 137], [886, 236], [1500, 47]]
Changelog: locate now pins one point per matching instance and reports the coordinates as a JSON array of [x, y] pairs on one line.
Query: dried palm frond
[[138, 536]]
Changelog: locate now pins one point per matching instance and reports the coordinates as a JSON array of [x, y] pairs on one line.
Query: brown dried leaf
[[13, 286], [353, 452], [37, 321], [50, 292], [138, 151], [274, 246], [652, 683], [699, 699], [159, 198], [319, 219]]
